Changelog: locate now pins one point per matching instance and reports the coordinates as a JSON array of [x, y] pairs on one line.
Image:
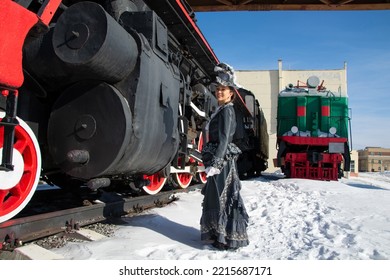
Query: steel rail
[[17, 231]]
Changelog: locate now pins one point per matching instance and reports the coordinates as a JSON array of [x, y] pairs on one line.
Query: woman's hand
[[211, 171]]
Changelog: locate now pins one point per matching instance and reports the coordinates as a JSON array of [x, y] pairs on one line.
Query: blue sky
[[307, 40]]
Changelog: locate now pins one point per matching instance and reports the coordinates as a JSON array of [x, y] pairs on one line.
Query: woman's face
[[223, 94]]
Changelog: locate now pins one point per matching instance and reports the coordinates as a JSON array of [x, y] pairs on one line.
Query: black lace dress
[[224, 218]]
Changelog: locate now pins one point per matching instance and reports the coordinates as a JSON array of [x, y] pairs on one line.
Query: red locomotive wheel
[[18, 186], [157, 182], [183, 180], [201, 176]]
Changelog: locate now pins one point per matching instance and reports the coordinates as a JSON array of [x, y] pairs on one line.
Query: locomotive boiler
[[108, 94], [313, 131]]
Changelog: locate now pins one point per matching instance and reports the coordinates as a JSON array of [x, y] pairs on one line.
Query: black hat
[[225, 75]]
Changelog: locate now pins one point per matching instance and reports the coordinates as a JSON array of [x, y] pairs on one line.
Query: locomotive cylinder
[[84, 138], [88, 40]]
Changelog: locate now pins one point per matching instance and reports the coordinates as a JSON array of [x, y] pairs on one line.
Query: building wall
[[266, 85], [373, 159], [354, 164]]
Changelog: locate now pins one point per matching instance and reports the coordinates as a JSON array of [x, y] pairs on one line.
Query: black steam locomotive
[[115, 93]]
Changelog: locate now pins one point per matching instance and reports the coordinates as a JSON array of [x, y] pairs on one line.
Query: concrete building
[[266, 84], [373, 159], [354, 163]]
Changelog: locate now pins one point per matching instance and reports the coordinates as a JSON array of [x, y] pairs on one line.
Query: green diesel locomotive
[[313, 131]]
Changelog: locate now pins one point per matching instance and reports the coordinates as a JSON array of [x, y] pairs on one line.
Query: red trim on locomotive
[[301, 111], [196, 29], [324, 169], [48, 10], [312, 141], [325, 111], [205, 42]]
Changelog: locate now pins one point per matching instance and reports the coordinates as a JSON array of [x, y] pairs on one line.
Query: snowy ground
[[289, 219]]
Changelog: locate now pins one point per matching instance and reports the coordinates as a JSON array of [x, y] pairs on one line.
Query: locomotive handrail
[[197, 110]]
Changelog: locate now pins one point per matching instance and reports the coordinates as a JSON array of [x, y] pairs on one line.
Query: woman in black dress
[[224, 218]]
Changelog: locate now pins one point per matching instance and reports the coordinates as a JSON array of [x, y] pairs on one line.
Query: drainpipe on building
[[280, 75]]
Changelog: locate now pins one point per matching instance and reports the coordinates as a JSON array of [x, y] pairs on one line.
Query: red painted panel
[[301, 167], [15, 23], [313, 141], [325, 111], [301, 111], [48, 10]]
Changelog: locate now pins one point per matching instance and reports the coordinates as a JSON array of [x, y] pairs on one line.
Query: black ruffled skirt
[[224, 217]]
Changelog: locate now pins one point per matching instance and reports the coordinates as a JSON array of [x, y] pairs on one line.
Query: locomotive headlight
[[294, 129], [332, 130]]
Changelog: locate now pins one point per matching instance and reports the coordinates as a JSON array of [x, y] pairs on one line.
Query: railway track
[[31, 225]]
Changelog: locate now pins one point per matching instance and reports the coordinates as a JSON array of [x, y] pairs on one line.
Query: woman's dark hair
[[234, 93]]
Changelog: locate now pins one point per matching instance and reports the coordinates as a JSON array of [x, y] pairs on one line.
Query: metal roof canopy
[[287, 5]]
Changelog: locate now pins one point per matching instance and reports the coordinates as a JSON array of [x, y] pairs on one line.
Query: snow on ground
[[289, 219]]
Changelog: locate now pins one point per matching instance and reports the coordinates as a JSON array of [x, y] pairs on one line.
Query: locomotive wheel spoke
[[3, 194], [21, 144]]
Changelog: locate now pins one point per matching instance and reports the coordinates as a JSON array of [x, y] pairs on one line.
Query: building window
[[352, 166]]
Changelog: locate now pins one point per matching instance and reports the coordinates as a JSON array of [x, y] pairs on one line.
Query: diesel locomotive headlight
[[332, 130], [294, 129]]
